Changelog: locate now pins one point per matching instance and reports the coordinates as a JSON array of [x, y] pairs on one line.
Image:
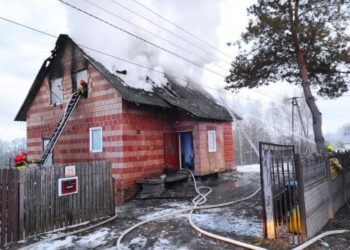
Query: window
[[49, 160], [80, 75], [96, 140], [56, 91], [211, 141]]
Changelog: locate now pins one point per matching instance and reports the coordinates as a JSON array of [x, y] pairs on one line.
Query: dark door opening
[[186, 150]]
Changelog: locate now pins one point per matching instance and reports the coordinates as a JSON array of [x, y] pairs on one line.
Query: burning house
[[138, 131]]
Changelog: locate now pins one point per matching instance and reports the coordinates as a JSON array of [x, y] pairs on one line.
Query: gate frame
[[269, 228]]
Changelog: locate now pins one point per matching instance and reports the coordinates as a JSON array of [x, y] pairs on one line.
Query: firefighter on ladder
[[83, 89], [22, 161]]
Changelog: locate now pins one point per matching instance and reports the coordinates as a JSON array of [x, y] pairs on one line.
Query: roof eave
[[22, 113]]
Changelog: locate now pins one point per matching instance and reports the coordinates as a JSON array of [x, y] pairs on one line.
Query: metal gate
[[284, 213]]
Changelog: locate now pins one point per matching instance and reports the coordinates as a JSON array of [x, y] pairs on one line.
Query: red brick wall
[[143, 148], [103, 108], [132, 134], [229, 146], [222, 158]]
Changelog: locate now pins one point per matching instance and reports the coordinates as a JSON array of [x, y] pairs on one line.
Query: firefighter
[[334, 163], [22, 161], [83, 89]]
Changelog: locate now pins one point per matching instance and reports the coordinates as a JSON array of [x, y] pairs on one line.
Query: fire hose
[[198, 200]]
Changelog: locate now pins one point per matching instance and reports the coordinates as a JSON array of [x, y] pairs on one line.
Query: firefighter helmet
[[330, 148], [19, 159]]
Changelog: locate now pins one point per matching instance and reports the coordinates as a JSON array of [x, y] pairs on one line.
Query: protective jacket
[[335, 166]]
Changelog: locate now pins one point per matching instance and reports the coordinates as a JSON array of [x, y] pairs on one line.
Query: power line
[[101, 8], [118, 58], [167, 30], [140, 38], [28, 27], [149, 32], [180, 28]]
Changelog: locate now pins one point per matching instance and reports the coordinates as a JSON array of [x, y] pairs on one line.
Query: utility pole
[[295, 104]]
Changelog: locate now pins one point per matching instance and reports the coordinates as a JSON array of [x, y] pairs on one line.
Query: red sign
[[67, 186]]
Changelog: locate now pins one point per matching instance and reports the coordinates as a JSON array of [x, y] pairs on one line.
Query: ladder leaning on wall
[[72, 103]]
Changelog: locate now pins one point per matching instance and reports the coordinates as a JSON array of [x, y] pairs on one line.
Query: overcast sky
[[22, 51]]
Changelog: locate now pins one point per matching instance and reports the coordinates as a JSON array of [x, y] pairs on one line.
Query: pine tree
[[302, 42]]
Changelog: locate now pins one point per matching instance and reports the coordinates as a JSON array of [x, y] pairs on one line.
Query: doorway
[[186, 150], [171, 151]]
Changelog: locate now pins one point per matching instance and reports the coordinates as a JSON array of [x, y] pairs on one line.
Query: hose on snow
[[198, 200], [318, 237]]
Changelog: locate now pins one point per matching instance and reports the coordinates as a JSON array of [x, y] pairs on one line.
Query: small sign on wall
[[68, 186], [69, 171]]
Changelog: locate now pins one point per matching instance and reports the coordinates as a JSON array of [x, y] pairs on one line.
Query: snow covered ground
[[91, 240], [242, 221], [228, 223], [249, 168]]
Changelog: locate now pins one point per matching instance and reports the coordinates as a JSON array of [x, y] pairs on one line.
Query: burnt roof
[[190, 99], [193, 100], [128, 93]]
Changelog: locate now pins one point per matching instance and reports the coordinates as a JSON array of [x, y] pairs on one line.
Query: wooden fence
[[9, 205], [30, 203]]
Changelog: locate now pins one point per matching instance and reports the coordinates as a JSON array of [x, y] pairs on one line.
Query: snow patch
[[228, 224], [92, 240], [136, 243], [95, 239], [249, 168], [324, 243], [159, 211], [57, 244], [162, 244]]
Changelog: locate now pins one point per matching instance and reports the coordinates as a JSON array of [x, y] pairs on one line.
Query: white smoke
[[202, 18]]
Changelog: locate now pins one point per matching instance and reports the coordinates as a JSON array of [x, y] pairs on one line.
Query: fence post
[[330, 195], [21, 204], [342, 160], [112, 189], [301, 193], [268, 196]]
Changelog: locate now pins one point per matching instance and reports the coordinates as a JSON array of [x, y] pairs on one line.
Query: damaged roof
[[194, 101]]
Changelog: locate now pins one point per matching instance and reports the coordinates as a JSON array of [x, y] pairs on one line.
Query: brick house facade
[[141, 131]]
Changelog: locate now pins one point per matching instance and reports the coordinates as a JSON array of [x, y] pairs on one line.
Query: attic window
[[80, 75], [56, 91]]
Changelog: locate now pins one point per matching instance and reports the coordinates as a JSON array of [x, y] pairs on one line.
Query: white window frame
[[58, 95], [212, 132], [90, 135]]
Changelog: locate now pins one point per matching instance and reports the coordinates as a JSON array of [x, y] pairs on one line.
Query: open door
[[186, 149], [171, 151]]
